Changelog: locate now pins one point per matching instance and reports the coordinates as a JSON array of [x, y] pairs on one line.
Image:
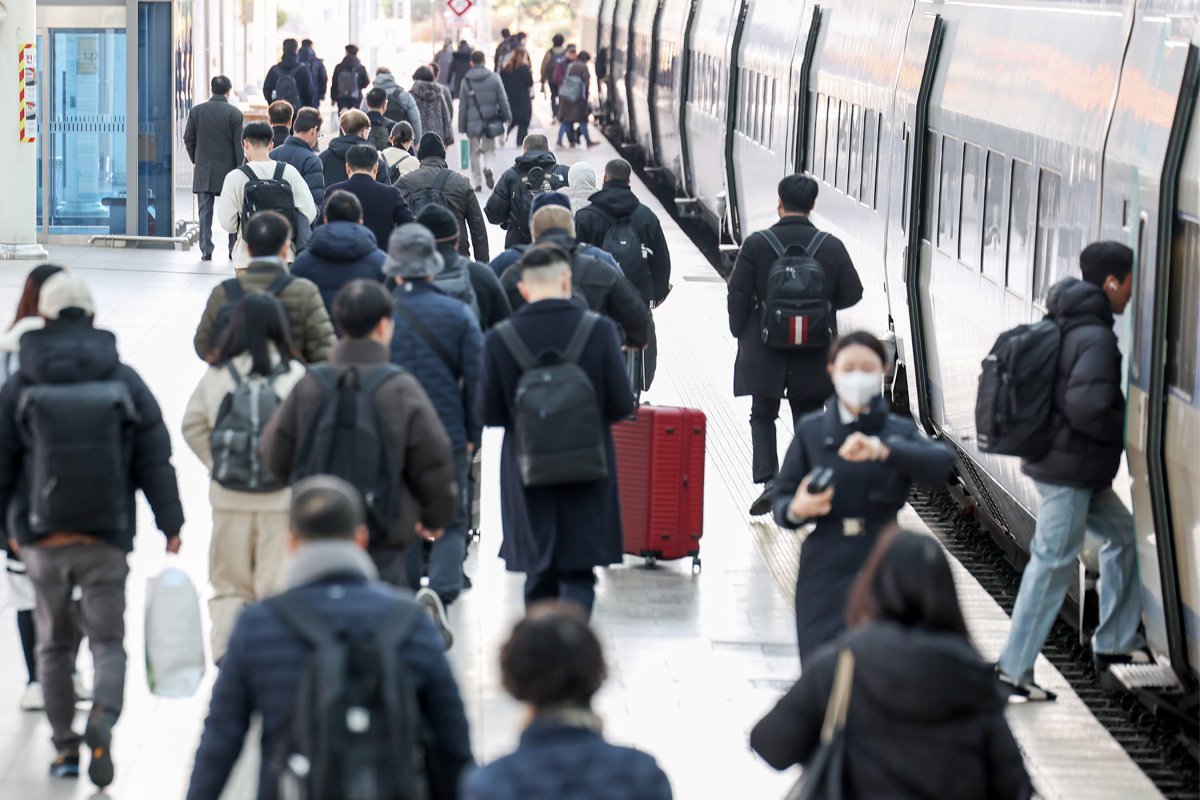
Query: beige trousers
[[245, 564]]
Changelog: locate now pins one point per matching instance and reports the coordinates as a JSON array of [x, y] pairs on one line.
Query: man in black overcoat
[[213, 138]]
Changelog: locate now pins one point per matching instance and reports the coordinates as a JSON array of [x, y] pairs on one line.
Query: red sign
[[459, 7]]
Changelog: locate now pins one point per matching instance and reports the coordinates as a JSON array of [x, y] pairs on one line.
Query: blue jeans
[[1065, 514], [446, 556]]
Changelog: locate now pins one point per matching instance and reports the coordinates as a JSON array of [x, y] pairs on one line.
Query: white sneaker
[[437, 612], [83, 692], [32, 698]]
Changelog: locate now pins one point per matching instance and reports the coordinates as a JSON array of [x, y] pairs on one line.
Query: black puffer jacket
[[500, 206], [72, 351], [1088, 404], [925, 720], [333, 161], [617, 200]]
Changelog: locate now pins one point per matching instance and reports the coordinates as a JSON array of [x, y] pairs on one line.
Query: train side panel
[[642, 68], [668, 96]]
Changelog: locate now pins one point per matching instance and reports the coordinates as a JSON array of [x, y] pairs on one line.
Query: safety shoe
[[437, 612], [32, 698], [1102, 661], [762, 505], [491, 181], [1025, 692], [66, 765], [98, 736]]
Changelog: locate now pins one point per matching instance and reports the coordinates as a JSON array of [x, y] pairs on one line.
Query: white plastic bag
[[174, 637]]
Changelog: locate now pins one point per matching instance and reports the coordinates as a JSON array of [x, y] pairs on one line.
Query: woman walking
[[574, 102], [432, 104], [517, 76]]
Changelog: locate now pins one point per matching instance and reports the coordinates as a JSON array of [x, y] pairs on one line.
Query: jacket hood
[[616, 201], [385, 81], [1072, 297], [342, 241], [10, 340], [289, 60], [343, 143], [478, 73], [68, 351], [536, 158], [915, 675], [426, 91], [351, 61], [307, 54]]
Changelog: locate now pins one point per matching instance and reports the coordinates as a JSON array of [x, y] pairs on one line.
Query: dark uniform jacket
[[925, 720], [764, 371], [1089, 407], [418, 442], [459, 197], [72, 351], [213, 138], [570, 527], [295, 151], [617, 201], [384, 207]]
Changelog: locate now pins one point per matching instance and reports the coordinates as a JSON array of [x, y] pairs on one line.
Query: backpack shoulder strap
[[439, 183], [815, 244], [426, 335], [233, 289], [281, 282], [604, 215], [773, 240], [249, 173], [515, 345], [280, 166], [233, 373], [325, 376], [301, 620], [579, 339], [381, 375]]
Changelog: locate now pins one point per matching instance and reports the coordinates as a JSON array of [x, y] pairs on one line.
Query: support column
[[18, 201]]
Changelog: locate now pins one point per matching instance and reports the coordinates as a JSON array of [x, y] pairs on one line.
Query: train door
[[909, 252], [1142, 174]]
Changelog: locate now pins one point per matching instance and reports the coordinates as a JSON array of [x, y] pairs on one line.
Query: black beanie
[[439, 220], [431, 146]]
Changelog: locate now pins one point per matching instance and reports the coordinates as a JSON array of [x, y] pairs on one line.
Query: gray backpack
[[235, 438], [455, 280]]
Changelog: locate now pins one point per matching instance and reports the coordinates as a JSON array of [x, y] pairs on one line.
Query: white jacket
[[201, 417], [233, 190]]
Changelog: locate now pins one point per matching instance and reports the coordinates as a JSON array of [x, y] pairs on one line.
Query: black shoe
[[98, 736], [478, 189], [65, 766], [491, 181], [206, 256], [1025, 692], [762, 505]]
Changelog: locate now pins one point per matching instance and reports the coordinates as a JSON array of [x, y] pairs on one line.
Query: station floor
[[695, 659]]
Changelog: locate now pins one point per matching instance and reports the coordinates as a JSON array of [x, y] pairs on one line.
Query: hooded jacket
[[295, 151], [435, 110], [490, 101], [362, 80], [500, 208], [401, 106], [70, 351], [290, 64], [333, 160], [1089, 407], [316, 68], [459, 197], [617, 200], [338, 253], [925, 719], [581, 185]]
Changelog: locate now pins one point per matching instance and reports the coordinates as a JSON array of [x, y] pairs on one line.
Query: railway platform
[[695, 658]]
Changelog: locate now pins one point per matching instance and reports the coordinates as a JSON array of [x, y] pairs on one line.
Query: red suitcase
[[660, 475]]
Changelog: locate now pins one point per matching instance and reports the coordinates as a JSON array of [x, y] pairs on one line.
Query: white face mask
[[857, 389]]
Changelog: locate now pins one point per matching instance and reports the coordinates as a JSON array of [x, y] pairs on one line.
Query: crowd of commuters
[[353, 360]]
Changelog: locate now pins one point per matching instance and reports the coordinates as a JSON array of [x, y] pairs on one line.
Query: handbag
[[824, 776], [494, 127]]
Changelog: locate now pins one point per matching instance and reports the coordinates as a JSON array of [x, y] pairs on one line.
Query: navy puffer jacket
[[339, 252]]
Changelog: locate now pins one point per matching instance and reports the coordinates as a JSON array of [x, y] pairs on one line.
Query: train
[[966, 152]]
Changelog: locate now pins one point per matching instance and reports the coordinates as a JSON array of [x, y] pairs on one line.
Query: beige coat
[[201, 417]]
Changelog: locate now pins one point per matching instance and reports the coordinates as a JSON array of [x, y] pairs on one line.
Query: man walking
[[356, 130], [559, 532], [488, 293], [483, 115], [289, 79], [316, 70], [437, 339], [434, 183], [423, 491], [384, 207], [550, 61], [279, 114], [769, 373], [349, 79], [342, 249], [1074, 480], [300, 150], [535, 172], [74, 522], [213, 138], [334, 586]]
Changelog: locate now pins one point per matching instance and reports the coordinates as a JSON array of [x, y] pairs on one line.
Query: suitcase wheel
[[474, 535], [696, 564], [651, 561]]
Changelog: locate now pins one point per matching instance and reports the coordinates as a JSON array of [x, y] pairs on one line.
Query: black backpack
[[80, 442], [234, 292], [355, 727], [347, 84], [795, 313], [348, 438], [432, 195], [1014, 409], [531, 184], [286, 87], [268, 194], [235, 437], [623, 243], [559, 430]]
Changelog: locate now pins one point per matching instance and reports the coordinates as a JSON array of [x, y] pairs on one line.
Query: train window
[[844, 136], [993, 218], [816, 154], [950, 180], [968, 225], [760, 106], [1048, 234], [1020, 244], [769, 141], [856, 146], [870, 157], [928, 182], [1183, 309], [831, 141]]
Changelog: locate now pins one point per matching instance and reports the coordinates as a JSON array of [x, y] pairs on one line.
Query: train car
[[642, 87], [672, 76], [967, 151], [618, 66], [602, 50]]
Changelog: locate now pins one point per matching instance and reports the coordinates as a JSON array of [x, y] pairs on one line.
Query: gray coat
[[490, 101], [435, 108], [214, 143]]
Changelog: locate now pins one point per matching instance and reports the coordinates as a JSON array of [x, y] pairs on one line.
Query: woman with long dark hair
[[517, 77], [870, 458], [925, 717], [249, 506]]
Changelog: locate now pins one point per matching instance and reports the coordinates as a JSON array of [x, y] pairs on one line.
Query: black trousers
[[763, 413]]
